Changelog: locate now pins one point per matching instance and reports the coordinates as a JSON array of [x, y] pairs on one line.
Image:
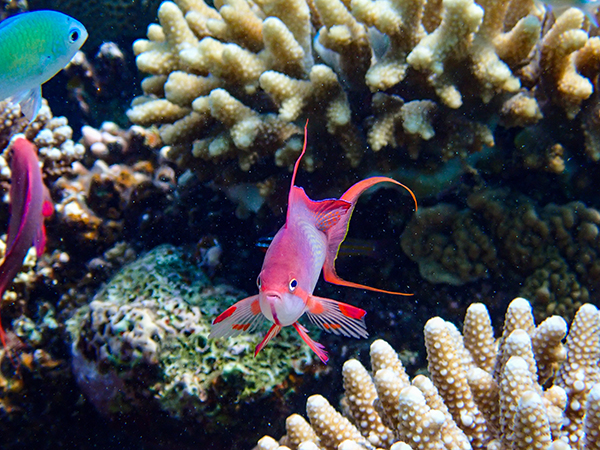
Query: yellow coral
[[427, 56], [506, 410]]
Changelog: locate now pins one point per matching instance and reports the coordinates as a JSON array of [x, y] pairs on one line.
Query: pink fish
[[309, 241], [29, 203]]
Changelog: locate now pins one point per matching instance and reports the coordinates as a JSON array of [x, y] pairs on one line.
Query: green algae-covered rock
[[141, 347]]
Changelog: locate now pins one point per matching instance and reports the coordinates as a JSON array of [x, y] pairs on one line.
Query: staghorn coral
[[470, 402], [234, 82], [552, 248]]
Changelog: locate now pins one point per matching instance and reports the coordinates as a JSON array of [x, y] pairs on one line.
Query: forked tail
[[337, 233], [333, 218]]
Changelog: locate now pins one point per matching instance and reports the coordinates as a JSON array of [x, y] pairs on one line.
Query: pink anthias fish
[[29, 203], [309, 240]]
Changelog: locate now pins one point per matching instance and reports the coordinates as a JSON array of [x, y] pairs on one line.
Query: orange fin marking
[[319, 349], [242, 316], [329, 212], [225, 314], [351, 311], [337, 317]]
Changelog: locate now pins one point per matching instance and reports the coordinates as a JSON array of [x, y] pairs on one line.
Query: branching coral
[[525, 391], [235, 81]]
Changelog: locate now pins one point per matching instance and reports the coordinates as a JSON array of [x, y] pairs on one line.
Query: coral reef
[[235, 81], [524, 391], [552, 248], [140, 348], [57, 152], [52, 135], [98, 203]]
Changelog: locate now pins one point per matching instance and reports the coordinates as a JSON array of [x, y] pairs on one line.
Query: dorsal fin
[[296, 170]]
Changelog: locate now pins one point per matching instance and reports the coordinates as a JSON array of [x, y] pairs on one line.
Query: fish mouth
[[273, 297], [272, 300]]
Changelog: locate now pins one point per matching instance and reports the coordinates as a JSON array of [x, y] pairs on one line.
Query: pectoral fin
[[48, 206], [243, 316], [337, 317], [47, 211], [30, 102]]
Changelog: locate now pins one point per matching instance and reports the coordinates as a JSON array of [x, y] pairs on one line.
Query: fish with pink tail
[[29, 204], [308, 242]]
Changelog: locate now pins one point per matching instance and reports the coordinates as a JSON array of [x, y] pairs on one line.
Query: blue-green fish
[[34, 47]]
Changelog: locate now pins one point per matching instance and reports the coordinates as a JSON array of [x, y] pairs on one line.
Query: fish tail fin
[[3, 337], [337, 233], [319, 349], [273, 331], [48, 206], [355, 191], [39, 241], [331, 276]]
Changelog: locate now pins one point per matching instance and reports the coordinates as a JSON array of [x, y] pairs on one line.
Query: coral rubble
[[527, 390]]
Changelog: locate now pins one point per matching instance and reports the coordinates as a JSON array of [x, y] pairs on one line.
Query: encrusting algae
[[525, 390], [141, 348]]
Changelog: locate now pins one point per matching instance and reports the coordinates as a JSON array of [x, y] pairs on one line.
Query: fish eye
[[293, 284], [258, 282], [73, 36]]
